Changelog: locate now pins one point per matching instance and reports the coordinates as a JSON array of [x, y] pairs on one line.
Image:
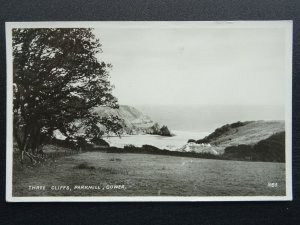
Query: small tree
[[57, 81]]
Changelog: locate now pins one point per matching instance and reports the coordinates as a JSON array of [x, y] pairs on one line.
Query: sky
[[196, 66]]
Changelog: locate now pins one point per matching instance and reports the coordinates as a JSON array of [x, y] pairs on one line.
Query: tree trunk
[[28, 140]]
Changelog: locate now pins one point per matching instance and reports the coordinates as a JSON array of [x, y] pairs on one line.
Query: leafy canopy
[[57, 80]]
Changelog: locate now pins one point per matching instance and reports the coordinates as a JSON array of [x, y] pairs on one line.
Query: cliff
[[133, 121]]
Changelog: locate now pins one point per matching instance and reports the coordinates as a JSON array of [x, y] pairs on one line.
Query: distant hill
[[133, 121], [251, 140]]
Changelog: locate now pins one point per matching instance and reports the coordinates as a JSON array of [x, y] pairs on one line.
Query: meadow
[[128, 174]]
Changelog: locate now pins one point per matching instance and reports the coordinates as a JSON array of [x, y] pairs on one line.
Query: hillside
[[251, 140], [271, 149], [133, 121], [247, 133]]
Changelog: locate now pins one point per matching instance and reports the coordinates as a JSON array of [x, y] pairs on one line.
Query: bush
[[67, 143], [115, 159], [100, 142], [237, 124], [84, 166], [83, 144], [220, 131]]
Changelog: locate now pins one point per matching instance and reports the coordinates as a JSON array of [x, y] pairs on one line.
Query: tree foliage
[[57, 81]]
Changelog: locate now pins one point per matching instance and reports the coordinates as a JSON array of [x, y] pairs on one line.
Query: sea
[[173, 143], [194, 122]]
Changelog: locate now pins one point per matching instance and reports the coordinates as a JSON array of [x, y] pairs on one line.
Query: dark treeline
[[271, 149], [149, 149]]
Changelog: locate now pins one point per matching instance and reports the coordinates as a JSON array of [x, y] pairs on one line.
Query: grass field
[[148, 175]]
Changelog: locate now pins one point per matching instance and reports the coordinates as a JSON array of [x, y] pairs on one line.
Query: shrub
[[84, 166], [99, 141], [220, 131], [83, 144], [237, 124], [115, 159], [191, 141]]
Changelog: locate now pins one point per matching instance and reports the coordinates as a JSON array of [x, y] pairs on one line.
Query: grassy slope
[[150, 175], [270, 149], [254, 141], [145, 174], [248, 134]]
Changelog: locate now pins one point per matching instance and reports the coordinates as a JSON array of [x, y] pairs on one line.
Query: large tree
[[58, 79]]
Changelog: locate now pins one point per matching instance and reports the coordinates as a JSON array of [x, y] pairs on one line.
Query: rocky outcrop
[[133, 121]]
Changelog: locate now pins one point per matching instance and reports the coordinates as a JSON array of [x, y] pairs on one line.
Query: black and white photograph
[[149, 111]]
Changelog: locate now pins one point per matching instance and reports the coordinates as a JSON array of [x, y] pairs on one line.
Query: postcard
[[149, 111]]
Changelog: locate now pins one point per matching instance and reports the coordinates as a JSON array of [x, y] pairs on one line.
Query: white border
[[287, 25]]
